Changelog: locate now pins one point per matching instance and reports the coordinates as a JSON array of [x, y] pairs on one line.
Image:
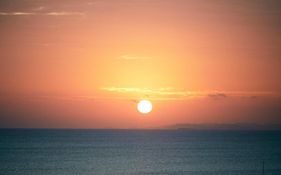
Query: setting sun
[[140, 87], [144, 106]]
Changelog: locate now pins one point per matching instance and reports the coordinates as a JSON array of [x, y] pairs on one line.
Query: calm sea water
[[121, 152]]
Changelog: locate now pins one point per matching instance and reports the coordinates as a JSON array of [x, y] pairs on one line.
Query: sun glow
[[144, 106]]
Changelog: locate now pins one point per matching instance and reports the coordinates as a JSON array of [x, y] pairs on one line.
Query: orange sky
[[85, 64]]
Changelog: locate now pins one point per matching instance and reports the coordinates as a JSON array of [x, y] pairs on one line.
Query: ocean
[[139, 152]]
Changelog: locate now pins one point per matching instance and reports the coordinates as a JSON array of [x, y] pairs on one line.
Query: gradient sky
[[85, 64]]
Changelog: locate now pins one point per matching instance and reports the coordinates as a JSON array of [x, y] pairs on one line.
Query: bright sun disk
[[144, 106]]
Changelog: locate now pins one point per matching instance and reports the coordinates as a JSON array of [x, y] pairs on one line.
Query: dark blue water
[[85, 152]]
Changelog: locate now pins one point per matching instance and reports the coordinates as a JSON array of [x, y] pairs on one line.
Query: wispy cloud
[[166, 93], [217, 95], [149, 91], [175, 94], [53, 13], [131, 57], [16, 13], [64, 13], [157, 94]]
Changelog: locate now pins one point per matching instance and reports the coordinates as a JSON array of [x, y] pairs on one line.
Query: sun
[[144, 106]]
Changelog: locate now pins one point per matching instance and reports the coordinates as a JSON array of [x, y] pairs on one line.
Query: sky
[[86, 64]]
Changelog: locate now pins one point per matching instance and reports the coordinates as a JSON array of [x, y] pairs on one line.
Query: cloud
[[166, 93], [64, 13], [159, 91], [169, 93], [217, 95], [16, 13], [130, 57], [54, 13]]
